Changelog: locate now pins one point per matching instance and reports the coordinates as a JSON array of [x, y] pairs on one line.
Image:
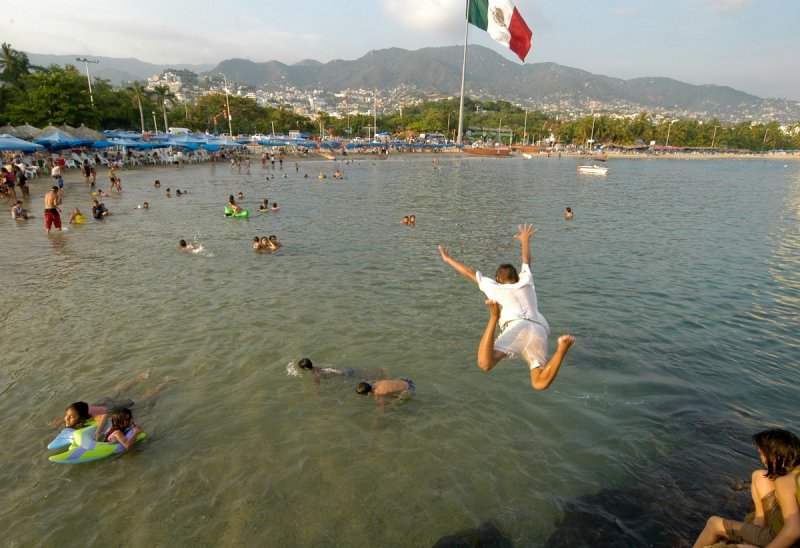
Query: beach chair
[[71, 163]]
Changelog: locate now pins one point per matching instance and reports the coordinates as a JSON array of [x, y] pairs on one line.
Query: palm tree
[[14, 63], [138, 92], [163, 96]]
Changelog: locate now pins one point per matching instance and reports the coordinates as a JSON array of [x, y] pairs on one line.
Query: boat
[[327, 155], [527, 156], [593, 169], [487, 151]]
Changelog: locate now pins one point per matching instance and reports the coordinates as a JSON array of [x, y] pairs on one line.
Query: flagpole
[[463, 73]]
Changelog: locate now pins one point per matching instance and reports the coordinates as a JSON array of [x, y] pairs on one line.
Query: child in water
[[123, 430], [77, 217], [186, 247], [264, 205], [392, 387], [77, 415]]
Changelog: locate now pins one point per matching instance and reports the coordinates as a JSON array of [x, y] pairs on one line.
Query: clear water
[[678, 278]]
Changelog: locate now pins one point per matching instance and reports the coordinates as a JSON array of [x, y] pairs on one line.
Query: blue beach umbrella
[[9, 142], [185, 139], [123, 134], [102, 144], [58, 140]]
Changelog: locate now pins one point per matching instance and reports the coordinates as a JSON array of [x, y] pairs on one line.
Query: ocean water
[[678, 279]]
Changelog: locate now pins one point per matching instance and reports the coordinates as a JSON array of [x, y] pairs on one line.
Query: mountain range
[[549, 87]]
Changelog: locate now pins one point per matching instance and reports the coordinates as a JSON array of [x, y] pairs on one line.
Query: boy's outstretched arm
[[524, 237], [465, 270]]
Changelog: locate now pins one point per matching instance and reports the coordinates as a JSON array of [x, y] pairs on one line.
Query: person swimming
[[186, 247]]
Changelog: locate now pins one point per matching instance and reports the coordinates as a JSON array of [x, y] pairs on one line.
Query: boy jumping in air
[[511, 298]]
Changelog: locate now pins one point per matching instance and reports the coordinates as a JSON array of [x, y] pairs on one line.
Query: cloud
[[434, 16], [726, 6], [622, 11]]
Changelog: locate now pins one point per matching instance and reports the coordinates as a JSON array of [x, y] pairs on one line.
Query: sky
[[750, 45]]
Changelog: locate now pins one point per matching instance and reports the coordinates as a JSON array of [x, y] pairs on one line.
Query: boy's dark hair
[[506, 273], [781, 450], [305, 363], [182, 243], [364, 388]]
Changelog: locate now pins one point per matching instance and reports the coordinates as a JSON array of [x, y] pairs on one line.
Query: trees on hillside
[[59, 95]]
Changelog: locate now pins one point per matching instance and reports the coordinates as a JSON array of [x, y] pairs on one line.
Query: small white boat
[[593, 169], [527, 156]]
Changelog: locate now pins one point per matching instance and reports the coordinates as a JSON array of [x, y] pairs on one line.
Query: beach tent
[[69, 130], [159, 137], [84, 132], [224, 142], [123, 134], [46, 131], [58, 140], [7, 129], [102, 144], [25, 131], [186, 139], [9, 142]]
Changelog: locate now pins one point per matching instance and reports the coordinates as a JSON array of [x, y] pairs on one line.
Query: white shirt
[[517, 301]]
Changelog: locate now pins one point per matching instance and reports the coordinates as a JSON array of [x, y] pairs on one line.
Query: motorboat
[[593, 169]]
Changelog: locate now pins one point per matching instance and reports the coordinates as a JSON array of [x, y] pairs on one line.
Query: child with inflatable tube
[[124, 430]]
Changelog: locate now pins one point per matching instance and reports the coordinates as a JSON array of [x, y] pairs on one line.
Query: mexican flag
[[503, 22]]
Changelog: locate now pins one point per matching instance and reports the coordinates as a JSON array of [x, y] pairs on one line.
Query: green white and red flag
[[501, 19]]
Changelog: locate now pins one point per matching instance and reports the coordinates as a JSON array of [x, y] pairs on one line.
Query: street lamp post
[[525, 129], [714, 136], [86, 62], [499, 127], [591, 139], [228, 106], [668, 130], [448, 123]]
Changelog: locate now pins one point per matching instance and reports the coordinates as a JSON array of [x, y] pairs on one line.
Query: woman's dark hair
[[305, 363], [781, 450], [82, 409], [364, 388]]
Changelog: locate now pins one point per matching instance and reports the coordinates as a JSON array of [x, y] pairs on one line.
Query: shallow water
[[678, 278]]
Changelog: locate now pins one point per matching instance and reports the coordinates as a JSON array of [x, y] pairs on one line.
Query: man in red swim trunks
[[52, 213]]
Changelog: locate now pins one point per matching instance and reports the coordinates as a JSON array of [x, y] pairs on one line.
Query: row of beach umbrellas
[[29, 139]]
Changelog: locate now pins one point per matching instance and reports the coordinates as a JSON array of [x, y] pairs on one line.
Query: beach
[[677, 278]]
